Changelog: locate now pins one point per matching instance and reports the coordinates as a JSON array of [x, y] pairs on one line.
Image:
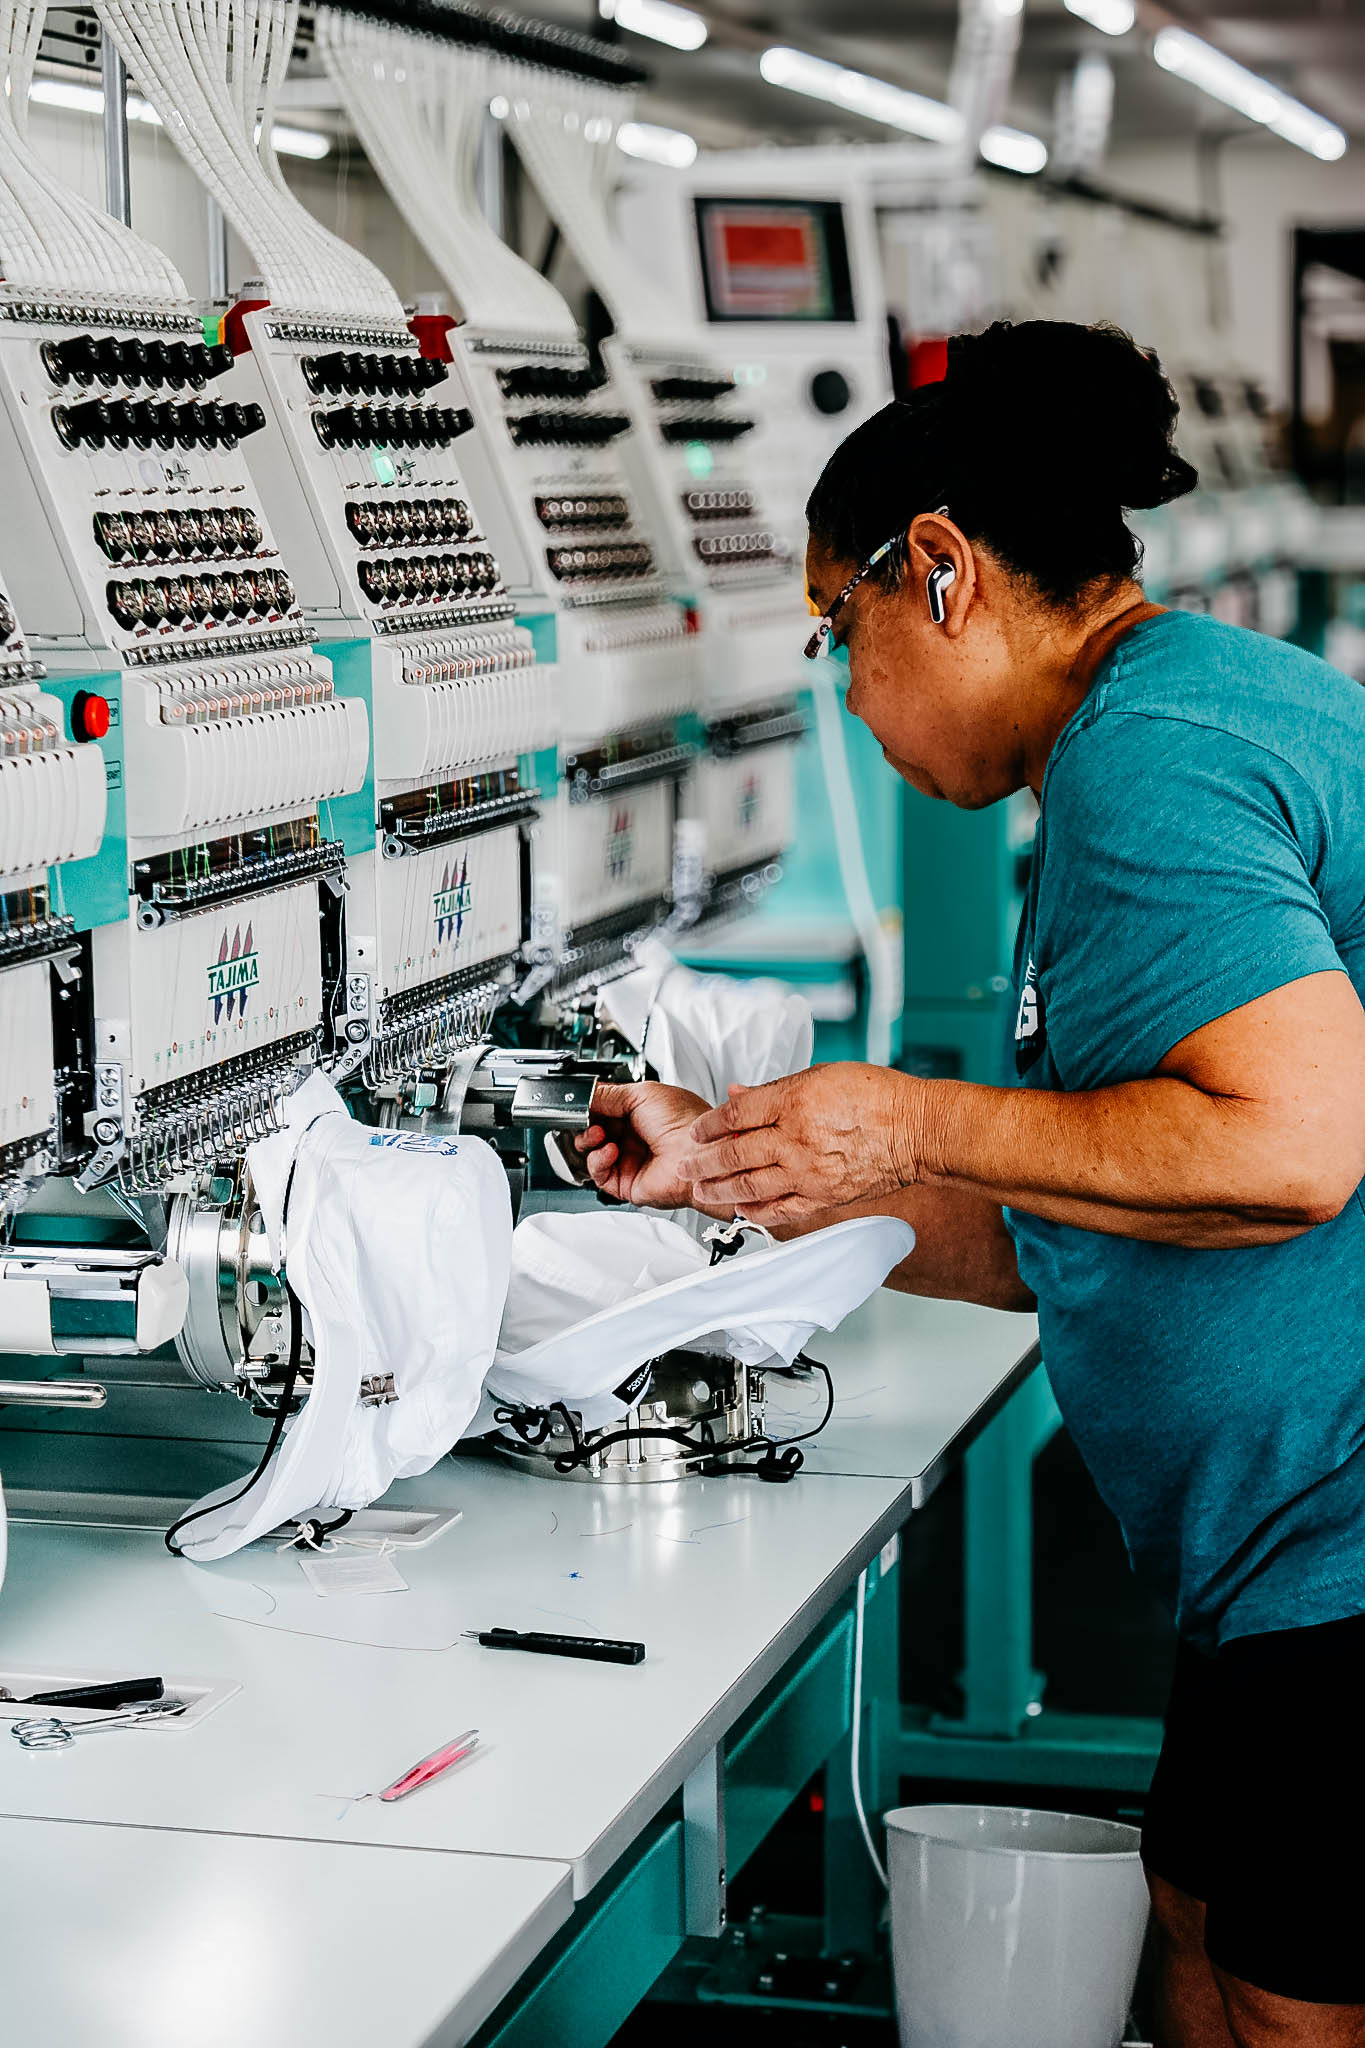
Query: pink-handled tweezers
[[424, 1773]]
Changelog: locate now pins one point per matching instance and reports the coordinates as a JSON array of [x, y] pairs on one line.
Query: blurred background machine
[[694, 423]]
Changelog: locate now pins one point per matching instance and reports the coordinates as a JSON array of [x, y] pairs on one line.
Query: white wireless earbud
[[940, 578]]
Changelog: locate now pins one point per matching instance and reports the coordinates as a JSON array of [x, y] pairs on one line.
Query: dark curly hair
[[1037, 440]]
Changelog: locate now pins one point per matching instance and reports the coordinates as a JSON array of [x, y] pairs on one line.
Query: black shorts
[[1257, 1807]]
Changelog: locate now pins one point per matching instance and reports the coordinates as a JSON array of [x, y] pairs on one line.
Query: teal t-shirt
[[1202, 842]]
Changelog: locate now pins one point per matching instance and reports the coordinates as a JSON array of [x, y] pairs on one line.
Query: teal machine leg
[[1001, 1689], [1005, 1734]]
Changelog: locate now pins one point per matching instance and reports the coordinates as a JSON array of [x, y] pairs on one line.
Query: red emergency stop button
[[89, 716]]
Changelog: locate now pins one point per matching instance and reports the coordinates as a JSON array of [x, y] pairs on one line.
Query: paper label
[[352, 1571]]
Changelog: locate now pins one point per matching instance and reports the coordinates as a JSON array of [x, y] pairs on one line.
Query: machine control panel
[[147, 539]]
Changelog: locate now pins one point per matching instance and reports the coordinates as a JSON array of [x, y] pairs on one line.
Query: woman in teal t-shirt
[[1177, 1182]]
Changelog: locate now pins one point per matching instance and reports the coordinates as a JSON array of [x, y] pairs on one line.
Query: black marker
[[596, 1649]]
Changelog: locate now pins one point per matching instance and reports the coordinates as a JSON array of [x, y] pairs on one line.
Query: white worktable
[[915, 1382], [723, 1579], [137, 1938]]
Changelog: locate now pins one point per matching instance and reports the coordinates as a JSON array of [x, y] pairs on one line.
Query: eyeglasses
[[824, 626]]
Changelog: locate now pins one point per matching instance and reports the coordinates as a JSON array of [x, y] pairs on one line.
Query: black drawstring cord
[[276, 1428]]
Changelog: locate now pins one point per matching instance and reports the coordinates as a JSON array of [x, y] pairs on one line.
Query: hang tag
[[352, 1571]]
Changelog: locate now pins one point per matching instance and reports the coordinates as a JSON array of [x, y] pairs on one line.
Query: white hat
[[707, 1031], [704, 1032], [648, 1288], [398, 1247]]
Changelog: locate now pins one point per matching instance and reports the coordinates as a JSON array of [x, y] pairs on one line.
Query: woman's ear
[[941, 571]]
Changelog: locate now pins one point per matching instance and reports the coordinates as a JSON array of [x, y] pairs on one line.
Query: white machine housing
[[809, 379], [547, 463], [142, 554], [363, 471]]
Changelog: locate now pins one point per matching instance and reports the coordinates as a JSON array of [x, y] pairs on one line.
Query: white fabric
[[648, 1287], [399, 1249], [707, 1031], [568, 1266]]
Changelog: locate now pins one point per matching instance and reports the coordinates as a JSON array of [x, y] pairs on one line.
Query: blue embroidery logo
[[233, 974], [620, 847], [452, 902], [410, 1141]]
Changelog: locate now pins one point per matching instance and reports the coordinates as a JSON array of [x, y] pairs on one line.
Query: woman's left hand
[[816, 1140]]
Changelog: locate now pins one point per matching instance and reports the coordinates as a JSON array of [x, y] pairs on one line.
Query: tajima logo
[[748, 802], [452, 902], [620, 847], [232, 974]]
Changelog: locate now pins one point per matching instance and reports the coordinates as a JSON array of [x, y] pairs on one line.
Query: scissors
[[49, 1732]]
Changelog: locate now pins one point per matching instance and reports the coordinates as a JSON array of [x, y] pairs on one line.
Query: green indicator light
[[382, 464], [699, 459]]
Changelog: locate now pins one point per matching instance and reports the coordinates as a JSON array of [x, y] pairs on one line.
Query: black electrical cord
[[780, 1461], [272, 1444], [286, 1398]]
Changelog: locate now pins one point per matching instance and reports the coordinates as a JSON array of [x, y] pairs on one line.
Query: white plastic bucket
[[1012, 1928]]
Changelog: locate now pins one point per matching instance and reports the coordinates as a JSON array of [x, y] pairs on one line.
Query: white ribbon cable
[[164, 49], [82, 245], [50, 237], [213, 70], [418, 106], [564, 129]]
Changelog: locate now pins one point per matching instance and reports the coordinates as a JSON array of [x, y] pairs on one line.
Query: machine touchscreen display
[[774, 259]]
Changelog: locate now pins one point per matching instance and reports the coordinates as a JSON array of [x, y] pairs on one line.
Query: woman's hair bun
[[1078, 414], [1038, 440]]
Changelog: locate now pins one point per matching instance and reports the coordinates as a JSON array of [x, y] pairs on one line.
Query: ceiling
[[1315, 49]]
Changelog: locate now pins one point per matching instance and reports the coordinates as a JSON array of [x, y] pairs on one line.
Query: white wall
[[1264, 189]]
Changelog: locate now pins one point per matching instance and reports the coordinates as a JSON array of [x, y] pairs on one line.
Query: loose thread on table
[[729, 1524], [315, 1635]]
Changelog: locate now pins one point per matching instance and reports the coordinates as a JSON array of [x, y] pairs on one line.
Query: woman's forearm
[[1157, 1159], [1250, 1131], [963, 1252]]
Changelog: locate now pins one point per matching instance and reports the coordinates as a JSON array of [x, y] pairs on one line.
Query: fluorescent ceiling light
[[88, 99], [305, 142], [1013, 150], [874, 98], [668, 146], [1115, 17], [1177, 51], [657, 19]]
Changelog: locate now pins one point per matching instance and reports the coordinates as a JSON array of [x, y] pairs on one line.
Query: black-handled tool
[[596, 1649], [110, 1692]]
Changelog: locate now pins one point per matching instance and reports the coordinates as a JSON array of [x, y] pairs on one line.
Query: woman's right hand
[[638, 1133]]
